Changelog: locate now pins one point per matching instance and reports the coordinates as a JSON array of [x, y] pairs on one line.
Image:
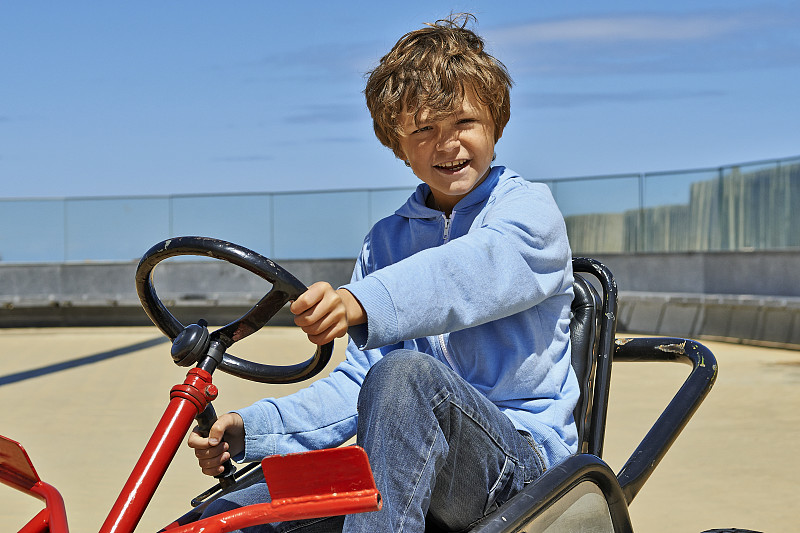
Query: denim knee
[[397, 374]]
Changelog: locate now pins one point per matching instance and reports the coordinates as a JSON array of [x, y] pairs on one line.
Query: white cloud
[[646, 43], [626, 28], [568, 99]]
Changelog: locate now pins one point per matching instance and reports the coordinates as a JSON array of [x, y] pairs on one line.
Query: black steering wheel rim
[[285, 287]]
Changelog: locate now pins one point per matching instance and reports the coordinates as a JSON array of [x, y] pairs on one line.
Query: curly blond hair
[[432, 68]]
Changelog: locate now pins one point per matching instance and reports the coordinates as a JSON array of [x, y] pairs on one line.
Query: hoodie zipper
[[446, 228], [442, 343]]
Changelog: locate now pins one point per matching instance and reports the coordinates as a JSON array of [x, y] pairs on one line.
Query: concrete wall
[[762, 273], [95, 294], [750, 297], [744, 297]]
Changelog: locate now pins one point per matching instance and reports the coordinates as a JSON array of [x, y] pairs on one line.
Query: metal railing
[[750, 206]]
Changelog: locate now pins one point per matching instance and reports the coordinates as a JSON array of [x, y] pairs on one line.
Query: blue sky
[[150, 98]]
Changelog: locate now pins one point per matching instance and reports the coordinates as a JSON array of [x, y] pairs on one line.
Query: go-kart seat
[[592, 331], [583, 336]]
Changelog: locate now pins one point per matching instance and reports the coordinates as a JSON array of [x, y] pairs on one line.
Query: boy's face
[[453, 154]]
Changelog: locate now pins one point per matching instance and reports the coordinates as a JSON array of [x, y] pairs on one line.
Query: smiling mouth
[[453, 166]]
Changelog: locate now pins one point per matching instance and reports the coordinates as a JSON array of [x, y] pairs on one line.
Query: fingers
[[320, 313], [213, 452], [218, 430], [325, 336], [196, 441], [209, 457], [307, 303]]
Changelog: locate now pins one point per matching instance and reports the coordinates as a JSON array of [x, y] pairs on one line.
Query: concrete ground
[[84, 402]]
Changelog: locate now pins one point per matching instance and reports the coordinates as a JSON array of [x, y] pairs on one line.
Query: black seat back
[[592, 330], [583, 335]]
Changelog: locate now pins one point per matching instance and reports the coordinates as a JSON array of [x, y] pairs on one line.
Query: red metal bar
[[54, 505], [51, 519], [17, 471], [186, 401], [286, 509], [38, 524]]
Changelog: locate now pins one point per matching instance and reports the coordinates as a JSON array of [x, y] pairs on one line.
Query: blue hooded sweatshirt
[[487, 291]]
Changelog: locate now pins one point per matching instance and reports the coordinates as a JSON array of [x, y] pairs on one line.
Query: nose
[[448, 140]]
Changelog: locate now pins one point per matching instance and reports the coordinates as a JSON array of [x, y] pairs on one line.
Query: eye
[[421, 130]]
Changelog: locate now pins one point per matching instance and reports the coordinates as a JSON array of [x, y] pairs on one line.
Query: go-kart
[[580, 494]]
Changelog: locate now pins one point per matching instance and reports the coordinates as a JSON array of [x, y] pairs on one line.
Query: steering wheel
[[285, 287]]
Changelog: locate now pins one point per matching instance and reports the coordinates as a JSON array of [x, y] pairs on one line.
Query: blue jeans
[[438, 448]]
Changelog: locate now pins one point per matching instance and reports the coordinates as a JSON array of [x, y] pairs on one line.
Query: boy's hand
[[325, 314], [212, 452]]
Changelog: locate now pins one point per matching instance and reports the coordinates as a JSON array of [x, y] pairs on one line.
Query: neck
[[431, 202]]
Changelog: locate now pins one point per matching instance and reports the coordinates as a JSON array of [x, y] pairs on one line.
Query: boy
[[458, 380]]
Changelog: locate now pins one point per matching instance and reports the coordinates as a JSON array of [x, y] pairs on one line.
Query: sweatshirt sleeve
[[514, 257], [321, 415]]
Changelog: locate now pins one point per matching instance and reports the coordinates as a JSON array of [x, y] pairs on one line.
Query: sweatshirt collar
[[415, 206]]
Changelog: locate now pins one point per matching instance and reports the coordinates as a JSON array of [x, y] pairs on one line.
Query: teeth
[[453, 164]]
